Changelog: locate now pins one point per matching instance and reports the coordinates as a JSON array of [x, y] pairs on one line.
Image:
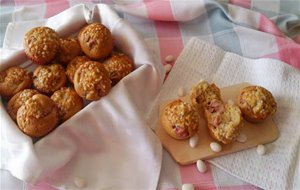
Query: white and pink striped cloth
[[250, 28]]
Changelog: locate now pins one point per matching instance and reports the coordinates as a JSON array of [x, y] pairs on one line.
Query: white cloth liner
[[279, 168], [108, 143]]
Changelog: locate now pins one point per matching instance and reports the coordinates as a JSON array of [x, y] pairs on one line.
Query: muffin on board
[[256, 103], [180, 119]]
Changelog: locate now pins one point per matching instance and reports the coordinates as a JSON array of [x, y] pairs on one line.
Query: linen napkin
[[108, 143], [279, 168]]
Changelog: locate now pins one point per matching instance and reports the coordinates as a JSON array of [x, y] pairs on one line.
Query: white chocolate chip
[[188, 186], [169, 58], [230, 102], [180, 92], [216, 147], [242, 138], [201, 166], [194, 140], [79, 182], [167, 67], [261, 149]]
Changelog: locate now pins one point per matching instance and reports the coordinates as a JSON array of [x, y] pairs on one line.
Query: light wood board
[[180, 150]]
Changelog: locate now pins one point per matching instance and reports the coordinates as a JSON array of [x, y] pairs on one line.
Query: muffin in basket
[[180, 119], [96, 41], [41, 45], [69, 48], [49, 78], [13, 80], [67, 101], [19, 100], [118, 66], [91, 81], [256, 103], [74, 65], [38, 116]]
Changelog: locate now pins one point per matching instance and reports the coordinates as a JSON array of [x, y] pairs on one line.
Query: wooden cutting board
[[180, 150]]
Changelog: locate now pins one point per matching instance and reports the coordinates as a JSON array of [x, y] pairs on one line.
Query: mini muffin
[[180, 119], [118, 66], [91, 81], [96, 41], [256, 103], [13, 80], [41, 45], [38, 116], [49, 78], [74, 65], [67, 101], [69, 48], [223, 121], [19, 100]]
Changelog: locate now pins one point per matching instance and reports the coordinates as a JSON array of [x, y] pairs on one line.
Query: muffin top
[[74, 65], [182, 116], [118, 66], [18, 100], [13, 80], [67, 101], [38, 116], [257, 102], [41, 45], [91, 81], [96, 41], [69, 48], [49, 78]]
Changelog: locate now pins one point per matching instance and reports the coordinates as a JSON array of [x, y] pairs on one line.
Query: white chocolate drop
[[188, 186], [201, 166], [79, 182], [261, 149], [242, 138], [180, 92], [216, 147], [169, 58], [167, 67], [194, 140]]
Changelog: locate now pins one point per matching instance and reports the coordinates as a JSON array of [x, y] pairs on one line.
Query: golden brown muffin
[[74, 65], [223, 121], [91, 81], [256, 103], [38, 116], [67, 101], [19, 100], [118, 66], [49, 78], [13, 80], [69, 48], [180, 119], [41, 45], [96, 41], [203, 93]]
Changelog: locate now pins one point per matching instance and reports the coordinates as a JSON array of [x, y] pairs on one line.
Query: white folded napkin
[[107, 144], [279, 168]]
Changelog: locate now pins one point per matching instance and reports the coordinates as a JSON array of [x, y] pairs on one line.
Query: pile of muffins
[[70, 71], [180, 119]]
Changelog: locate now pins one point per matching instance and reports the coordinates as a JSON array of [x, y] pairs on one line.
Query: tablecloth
[[251, 28]]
